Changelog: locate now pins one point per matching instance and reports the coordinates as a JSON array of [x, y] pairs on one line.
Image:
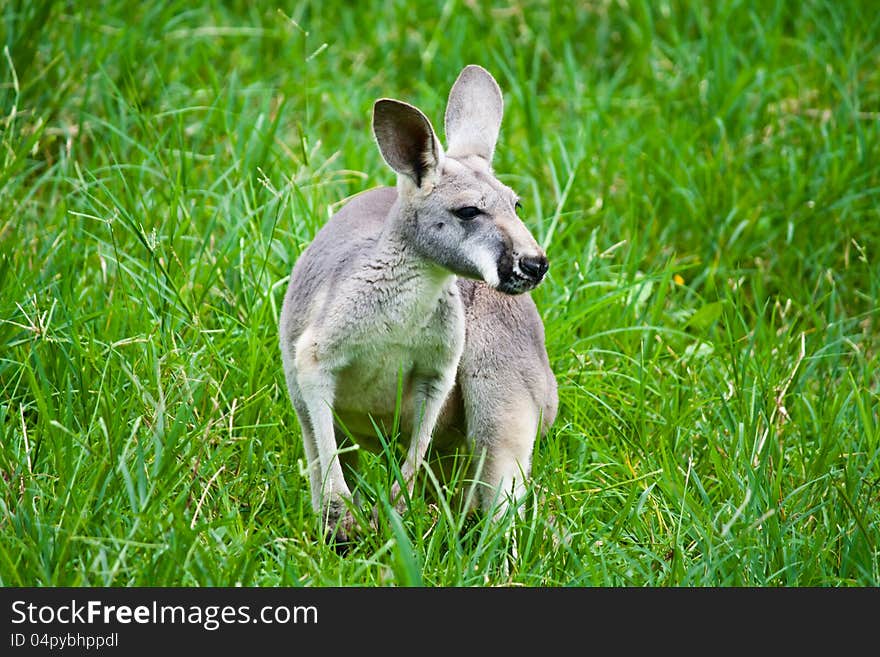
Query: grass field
[[704, 176]]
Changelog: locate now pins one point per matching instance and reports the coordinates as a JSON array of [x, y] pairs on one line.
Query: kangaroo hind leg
[[503, 436]]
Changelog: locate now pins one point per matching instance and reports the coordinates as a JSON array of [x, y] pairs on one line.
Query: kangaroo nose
[[534, 266]]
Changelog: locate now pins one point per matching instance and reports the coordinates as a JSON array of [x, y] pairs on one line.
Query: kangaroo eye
[[468, 212]]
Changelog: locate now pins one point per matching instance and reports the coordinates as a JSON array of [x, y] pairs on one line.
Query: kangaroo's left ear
[[473, 114]]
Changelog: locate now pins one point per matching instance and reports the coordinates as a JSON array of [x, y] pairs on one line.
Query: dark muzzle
[[534, 267]]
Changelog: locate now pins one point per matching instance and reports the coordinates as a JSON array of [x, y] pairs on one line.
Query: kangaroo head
[[452, 209]]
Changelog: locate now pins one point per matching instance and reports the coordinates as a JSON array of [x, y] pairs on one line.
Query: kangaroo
[[423, 287]]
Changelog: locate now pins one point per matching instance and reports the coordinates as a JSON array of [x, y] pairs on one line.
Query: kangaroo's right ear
[[406, 139], [473, 114]]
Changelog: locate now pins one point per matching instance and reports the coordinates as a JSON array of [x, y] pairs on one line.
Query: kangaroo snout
[[534, 267], [521, 273]]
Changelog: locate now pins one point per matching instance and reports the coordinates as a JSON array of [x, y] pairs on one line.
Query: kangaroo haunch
[[424, 284]]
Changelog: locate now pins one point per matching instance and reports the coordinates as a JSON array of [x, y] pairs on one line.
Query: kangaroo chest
[[395, 348]]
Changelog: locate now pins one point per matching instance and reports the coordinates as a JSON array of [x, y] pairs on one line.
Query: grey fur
[[398, 285]]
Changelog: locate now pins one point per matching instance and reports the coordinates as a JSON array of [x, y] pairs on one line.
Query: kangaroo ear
[[473, 114], [406, 139]]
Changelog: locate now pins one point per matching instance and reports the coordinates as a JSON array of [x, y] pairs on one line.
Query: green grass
[[704, 176]]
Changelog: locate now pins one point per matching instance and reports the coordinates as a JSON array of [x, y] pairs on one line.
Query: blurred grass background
[[704, 176]]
